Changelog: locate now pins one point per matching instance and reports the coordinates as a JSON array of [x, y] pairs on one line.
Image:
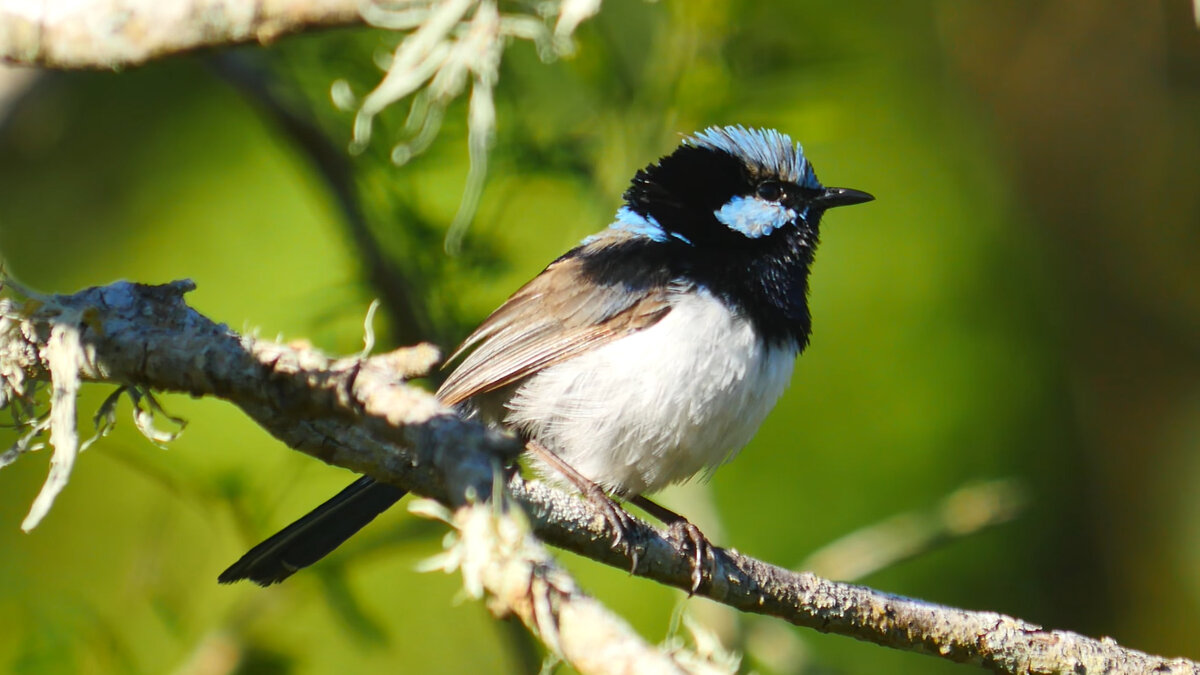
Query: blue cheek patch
[[636, 224], [754, 217]]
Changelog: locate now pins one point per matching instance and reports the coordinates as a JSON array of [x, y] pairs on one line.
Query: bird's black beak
[[842, 197]]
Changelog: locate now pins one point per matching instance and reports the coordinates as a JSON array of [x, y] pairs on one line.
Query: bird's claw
[[620, 521], [690, 538]]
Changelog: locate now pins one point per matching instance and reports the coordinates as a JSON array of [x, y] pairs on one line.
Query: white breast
[[661, 405]]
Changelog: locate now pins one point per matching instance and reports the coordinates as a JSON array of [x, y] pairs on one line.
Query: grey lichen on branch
[[501, 560], [361, 413], [147, 337]]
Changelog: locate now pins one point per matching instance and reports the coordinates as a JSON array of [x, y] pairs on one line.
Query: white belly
[[659, 406]]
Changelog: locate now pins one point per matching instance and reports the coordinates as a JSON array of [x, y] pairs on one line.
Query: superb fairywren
[[649, 353]]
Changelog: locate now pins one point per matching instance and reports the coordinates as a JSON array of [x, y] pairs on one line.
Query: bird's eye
[[770, 190]]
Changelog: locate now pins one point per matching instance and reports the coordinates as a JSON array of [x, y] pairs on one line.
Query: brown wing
[[552, 318]]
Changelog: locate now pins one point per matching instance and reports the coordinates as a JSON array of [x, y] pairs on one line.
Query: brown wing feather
[[552, 318]]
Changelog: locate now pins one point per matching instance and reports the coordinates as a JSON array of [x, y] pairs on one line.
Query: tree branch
[[113, 34], [360, 414], [353, 412]]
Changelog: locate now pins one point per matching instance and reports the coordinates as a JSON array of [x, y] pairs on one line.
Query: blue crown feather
[[766, 149]]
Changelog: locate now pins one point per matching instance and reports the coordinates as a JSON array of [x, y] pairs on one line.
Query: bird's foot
[[689, 537], [619, 520], [683, 533]]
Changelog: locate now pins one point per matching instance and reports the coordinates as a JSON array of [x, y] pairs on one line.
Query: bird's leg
[[685, 533], [620, 520]]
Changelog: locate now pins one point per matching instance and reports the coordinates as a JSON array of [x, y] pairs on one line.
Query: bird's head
[[731, 187]]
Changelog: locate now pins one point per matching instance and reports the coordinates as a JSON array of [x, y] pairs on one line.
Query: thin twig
[[967, 511], [410, 319]]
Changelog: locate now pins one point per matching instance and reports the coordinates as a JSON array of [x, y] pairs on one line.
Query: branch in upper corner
[[448, 45], [360, 414], [114, 35]]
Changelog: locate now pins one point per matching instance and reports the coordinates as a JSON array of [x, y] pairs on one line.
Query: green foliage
[[950, 344]]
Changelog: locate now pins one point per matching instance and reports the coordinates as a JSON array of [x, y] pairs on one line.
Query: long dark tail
[[314, 536]]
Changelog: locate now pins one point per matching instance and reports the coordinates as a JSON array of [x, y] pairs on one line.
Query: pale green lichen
[[449, 44]]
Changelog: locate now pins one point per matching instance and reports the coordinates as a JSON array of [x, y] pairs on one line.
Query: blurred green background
[[1022, 301]]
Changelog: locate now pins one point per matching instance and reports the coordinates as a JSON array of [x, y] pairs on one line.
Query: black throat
[[767, 283]]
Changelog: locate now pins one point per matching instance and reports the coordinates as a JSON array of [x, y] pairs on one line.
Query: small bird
[[646, 355]]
